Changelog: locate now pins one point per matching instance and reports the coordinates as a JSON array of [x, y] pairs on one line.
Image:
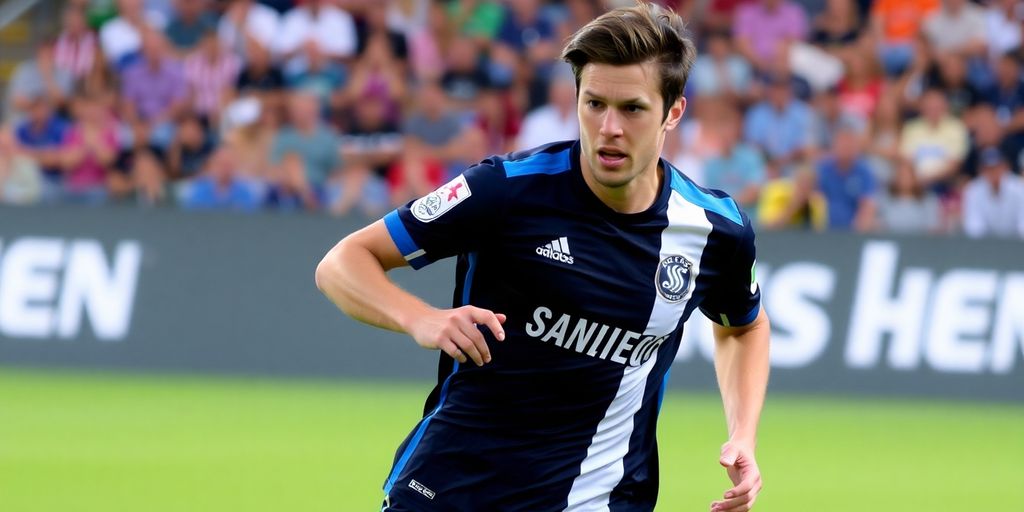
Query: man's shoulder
[[544, 160], [713, 201]]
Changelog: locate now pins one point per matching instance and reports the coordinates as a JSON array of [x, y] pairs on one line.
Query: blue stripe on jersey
[[724, 206], [418, 436], [404, 241], [661, 392], [539, 163], [748, 318]]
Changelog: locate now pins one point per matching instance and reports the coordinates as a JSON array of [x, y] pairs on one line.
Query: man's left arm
[[742, 333], [741, 363]]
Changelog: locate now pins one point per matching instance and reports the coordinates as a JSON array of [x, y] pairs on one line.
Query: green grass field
[[81, 442]]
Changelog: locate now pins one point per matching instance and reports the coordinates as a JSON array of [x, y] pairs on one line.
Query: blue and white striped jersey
[[564, 416]]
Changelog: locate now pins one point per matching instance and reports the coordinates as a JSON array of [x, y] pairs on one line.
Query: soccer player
[[578, 263]]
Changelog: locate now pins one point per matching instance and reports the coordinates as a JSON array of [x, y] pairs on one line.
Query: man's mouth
[[610, 156]]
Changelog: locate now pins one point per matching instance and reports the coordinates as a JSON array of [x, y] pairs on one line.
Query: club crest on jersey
[[673, 279], [440, 201]]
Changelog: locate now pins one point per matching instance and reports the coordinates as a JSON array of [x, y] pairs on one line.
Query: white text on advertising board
[[49, 285]]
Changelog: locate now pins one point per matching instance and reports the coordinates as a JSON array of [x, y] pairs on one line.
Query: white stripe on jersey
[[565, 245], [602, 469]]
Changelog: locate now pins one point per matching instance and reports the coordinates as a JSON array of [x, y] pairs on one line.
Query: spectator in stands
[[764, 29], [908, 207], [320, 75], [121, 37], [739, 169], [306, 143], [190, 149], [958, 27], [1006, 95], [577, 14], [498, 119], [89, 151], [259, 76], [556, 120], [935, 143], [372, 144], [781, 125], [524, 49], [861, 88], [40, 136], [947, 72], [154, 94], [847, 183], [883, 146], [1004, 19], [838, 25], [464, 75], [379, 74], [895, 27], [374, 23], [436, 141], [36, 78], [211, 73], [478, 19], [250, 128], [316, 25], [428, 42], [406, 16], [993, 202], [829, 115], [220, 187], [986, 132], [720, 71], [20, 178], [190, 21], [77, 46], [247, 24]]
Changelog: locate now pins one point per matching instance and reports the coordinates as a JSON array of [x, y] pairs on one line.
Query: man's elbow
[[327, 268]]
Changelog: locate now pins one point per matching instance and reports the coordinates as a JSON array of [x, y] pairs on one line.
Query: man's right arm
[[353, 275]]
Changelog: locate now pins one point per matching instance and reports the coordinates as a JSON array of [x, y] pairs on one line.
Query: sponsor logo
[[673, 279], [557, 249], [442, 200], [594, 339], [422, 489], [49, 286], [897, 316]]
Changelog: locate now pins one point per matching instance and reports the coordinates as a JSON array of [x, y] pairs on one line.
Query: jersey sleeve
[[456, 218], [735, 297]]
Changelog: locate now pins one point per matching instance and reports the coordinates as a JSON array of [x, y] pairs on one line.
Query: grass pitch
[[102, 442]]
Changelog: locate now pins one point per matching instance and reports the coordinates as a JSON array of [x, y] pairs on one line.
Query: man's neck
[[636, 196]]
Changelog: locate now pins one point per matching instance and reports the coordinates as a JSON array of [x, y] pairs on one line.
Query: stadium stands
[[842, 114]]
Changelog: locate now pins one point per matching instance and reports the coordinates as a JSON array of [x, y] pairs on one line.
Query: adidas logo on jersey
[[557, 249]]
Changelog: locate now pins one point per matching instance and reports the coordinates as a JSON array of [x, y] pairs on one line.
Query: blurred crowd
[[871, 116]]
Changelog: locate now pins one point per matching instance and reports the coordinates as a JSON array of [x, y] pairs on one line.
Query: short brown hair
[[636, 35]]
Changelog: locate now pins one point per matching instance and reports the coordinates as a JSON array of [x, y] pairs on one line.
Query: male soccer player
[[578, 263]]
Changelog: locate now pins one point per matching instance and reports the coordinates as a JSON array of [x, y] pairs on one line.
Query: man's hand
[[455, 332], [738, 461]]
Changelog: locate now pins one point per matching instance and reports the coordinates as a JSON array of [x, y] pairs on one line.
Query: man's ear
[[675, 114]]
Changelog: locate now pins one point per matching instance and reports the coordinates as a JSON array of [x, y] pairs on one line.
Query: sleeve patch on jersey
[[442, 200]]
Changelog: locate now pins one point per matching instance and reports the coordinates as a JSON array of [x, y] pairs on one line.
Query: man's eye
[[593, 104], [633, 109]]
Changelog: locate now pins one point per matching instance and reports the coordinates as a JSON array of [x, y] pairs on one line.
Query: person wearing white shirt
[[1003, 19], [993, 204], [331, 29], [120, 38], [248, 19], [555, 120]]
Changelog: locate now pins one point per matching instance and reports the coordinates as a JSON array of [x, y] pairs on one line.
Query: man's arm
[[741, 363], [353, 276]]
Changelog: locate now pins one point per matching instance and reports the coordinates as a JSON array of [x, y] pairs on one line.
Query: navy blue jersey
[[564, 416]]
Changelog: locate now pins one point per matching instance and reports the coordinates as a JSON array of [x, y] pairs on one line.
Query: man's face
[[621, 129]]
